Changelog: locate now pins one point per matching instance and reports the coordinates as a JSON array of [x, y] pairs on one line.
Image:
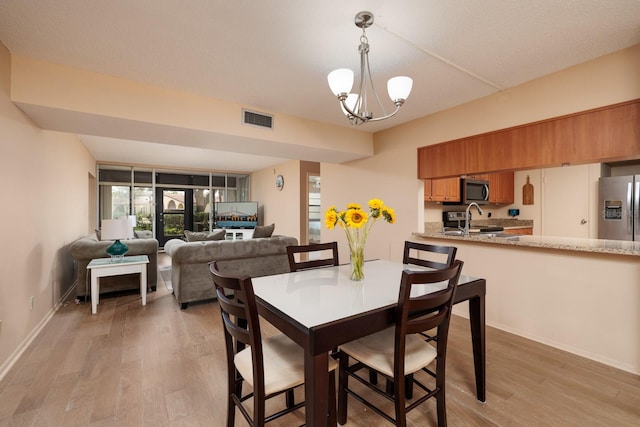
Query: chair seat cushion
[[283, 364], [377, 350]]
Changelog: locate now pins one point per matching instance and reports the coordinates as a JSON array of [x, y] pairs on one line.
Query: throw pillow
[[202, 236], [263, 231], [143, 234]]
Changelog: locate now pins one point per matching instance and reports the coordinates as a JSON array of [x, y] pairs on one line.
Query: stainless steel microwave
[[474, 190]]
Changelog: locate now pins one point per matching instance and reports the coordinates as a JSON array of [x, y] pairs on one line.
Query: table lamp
[[116, 229]]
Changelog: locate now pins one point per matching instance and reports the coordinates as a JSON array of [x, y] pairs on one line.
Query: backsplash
[[434, 227]]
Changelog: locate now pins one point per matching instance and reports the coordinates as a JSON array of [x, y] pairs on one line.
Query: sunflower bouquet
[[357, 223]]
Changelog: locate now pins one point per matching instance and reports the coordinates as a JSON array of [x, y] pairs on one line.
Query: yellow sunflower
[[356, 218], [330, 218], [389, 214], [375, 204]]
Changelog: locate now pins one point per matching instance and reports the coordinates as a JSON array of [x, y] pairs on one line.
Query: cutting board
[[527, 193]]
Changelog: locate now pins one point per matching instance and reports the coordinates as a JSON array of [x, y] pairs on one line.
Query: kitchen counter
[[615, 247]]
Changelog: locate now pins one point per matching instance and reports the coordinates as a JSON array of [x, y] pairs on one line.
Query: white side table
[[103, 267]]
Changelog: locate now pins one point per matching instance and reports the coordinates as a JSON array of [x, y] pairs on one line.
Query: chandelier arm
[[375, 92], [353, 113], [377, 119]]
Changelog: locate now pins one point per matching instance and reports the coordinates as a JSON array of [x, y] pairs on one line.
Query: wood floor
[[156, 365]]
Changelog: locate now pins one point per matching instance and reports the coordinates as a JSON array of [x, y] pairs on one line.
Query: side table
[[103, 267]]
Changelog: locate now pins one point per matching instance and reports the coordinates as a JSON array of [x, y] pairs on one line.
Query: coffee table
[[104, 267]]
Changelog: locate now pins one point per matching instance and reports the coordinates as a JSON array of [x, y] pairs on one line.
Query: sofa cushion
[[143, 234], [263, 231], [201, 236]]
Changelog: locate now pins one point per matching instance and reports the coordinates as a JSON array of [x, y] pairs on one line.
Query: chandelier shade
[[340, 81], [399, 88], [354, 105]]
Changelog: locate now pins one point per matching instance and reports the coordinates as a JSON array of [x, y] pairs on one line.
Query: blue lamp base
[[117, 251]]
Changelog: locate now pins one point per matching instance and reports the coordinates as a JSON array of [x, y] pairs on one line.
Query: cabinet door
[[428, 196], [445, 190], [501, 187]]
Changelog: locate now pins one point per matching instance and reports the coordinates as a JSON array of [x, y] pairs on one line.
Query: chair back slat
[[412, 251], [307, 250], [425, 312]]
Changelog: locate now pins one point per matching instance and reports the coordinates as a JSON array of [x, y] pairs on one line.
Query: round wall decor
[[279, 182]]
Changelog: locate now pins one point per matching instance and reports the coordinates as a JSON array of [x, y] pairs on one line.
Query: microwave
[[473, 190]]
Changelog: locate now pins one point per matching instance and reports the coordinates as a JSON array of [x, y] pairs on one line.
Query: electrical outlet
[[31, 301]]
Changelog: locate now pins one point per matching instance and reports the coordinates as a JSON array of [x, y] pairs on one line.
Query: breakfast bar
[[557, 291]]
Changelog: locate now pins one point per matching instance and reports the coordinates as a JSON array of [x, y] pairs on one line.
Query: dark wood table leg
[[316, 388], [476, 317]]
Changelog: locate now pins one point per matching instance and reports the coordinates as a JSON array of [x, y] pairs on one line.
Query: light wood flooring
[[159, 366]]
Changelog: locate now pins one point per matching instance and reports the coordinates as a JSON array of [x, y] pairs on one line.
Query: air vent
[[257, 119]]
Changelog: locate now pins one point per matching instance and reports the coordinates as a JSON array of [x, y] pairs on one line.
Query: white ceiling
[[274, 55]]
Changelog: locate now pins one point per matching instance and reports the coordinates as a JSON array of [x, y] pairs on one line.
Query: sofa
[[190, 274], [89, 247]]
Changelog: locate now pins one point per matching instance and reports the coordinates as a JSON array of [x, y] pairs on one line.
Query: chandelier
[[354, 105]]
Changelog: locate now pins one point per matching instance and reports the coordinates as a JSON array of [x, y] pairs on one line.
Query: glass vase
[[357, 261]]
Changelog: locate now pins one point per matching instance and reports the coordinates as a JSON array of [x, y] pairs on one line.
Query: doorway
[[314, 215], [174, 209]]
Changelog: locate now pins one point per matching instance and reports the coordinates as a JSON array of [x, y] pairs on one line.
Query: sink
[[453, 233]]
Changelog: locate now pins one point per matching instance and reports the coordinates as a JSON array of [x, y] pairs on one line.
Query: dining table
[[322, 308]]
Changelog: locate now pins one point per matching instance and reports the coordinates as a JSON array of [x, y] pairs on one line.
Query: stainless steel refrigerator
[[619, 205]]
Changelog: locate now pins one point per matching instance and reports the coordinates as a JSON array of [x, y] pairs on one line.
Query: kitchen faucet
[[468, 216]]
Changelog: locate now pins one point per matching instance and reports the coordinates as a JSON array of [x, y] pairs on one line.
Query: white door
[[565, 201]]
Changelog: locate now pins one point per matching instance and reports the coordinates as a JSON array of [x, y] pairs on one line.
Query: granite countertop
[[615, 247]]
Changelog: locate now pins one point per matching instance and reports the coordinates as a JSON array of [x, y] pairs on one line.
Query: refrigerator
[[618, 203]]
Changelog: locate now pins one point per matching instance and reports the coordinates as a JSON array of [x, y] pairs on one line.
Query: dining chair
[[398, 351], [414, 250], [303, 252], [271, 366], [425, 255]]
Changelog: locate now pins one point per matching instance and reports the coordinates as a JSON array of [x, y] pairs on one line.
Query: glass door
[[174, 209]]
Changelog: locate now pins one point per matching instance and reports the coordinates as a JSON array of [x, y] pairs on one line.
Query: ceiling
[[274, 55]]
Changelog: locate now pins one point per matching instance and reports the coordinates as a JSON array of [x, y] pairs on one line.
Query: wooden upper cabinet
[[600, 135], [501, 187], [442, 190]]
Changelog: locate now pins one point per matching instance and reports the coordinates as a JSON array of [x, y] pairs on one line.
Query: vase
[[357, 261]]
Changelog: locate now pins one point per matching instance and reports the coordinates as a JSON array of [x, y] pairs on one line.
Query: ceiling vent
[[257, 119]]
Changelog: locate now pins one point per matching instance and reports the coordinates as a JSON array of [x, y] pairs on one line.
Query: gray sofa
[[89, 247], [190, 275]]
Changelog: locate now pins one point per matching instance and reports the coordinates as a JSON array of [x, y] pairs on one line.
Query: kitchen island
[[578, 295]]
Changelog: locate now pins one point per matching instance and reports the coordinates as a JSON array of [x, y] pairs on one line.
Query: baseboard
[[15, 356]]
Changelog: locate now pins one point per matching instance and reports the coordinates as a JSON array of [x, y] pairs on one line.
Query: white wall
[[279, 207], [44, 208]]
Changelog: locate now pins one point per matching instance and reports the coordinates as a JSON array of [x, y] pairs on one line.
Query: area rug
[[165, 274]]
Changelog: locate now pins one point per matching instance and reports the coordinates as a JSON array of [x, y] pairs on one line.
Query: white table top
[[128, 260], [318, 296]]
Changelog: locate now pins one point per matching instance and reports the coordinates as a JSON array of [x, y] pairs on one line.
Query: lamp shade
[[132, 220], [399, 87], [340, 81], [115, 229]]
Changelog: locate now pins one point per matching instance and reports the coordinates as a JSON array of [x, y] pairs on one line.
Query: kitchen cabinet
[[501, 188], [599, 135], [522, 231], [442, 190]]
